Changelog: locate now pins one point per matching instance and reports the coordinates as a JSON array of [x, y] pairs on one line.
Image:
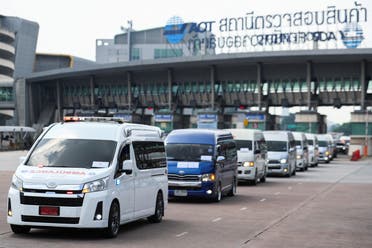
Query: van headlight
[[208, 177], [248, 164], [299, 156], [283, 161], [98, 185], [17, 183]]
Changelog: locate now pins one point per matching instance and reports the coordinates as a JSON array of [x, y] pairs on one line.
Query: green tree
[[344, 128]]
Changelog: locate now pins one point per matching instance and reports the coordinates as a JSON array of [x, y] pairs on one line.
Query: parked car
[[281, 153], [201, 163], [252, 155]]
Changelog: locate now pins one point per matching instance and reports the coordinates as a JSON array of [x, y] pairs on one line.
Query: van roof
[[242, 133], [99, 130], [197, 136], [276, 135]]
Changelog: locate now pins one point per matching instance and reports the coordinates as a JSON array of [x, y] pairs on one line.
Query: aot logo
[[175, 30], [352, 35]]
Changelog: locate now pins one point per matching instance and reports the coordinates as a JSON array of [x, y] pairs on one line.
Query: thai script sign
[[252, 31]]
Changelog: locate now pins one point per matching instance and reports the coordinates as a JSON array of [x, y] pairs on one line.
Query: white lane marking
[[289, 188], [217, 219], [244, 208], [299, 183], [277, 193], [181, 234], [263, 199]]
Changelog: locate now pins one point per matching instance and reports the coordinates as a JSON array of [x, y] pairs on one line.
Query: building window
[[167, 53], [135, 54], [6, 94]]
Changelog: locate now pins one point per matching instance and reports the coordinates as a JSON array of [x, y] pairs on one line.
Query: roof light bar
[[93, 118]]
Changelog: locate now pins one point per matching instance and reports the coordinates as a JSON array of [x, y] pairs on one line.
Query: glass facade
[[167, 53], [6, 94]]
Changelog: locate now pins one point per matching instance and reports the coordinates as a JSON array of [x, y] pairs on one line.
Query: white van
[[252, 154], [312, 144], [302, 156], [281, 153], [90, 174]]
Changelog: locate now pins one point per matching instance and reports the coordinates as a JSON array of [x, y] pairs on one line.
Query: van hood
[[245, 156], [277, 155], [190, 168], [58, 176]]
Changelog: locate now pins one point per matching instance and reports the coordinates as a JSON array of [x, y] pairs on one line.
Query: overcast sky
[[72, 26]]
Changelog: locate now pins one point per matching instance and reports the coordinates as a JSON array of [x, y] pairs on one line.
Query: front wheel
[[232, 191], [159, 210], [20, 229], [113, 225]]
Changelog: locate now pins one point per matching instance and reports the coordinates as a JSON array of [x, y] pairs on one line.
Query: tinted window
[[310, 142], [75, 153], [298, 142], [189, 152], [323, 143], [276, 146], [149, 155], [243, 144]]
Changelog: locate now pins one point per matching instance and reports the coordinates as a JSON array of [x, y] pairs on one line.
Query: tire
[[294, 172], [218, 194], [232, 191], [254, 182], [159, 210], [20, 229], [113, 225], [263, 178]]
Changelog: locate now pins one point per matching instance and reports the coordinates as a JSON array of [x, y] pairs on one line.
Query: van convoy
[[91, 172]]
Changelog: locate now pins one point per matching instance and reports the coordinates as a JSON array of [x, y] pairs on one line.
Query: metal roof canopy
[[272, 57]]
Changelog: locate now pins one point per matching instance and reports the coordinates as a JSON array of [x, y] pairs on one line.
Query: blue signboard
[[208, 121], [163, 118], [255, 117]]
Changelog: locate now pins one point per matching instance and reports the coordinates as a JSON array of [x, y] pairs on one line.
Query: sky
[[72, 26]]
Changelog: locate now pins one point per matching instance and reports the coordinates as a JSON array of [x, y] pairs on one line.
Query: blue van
[[201, 163]]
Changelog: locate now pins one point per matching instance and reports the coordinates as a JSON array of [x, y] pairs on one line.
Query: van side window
[[124, 155], [228, 149], [149, 155]]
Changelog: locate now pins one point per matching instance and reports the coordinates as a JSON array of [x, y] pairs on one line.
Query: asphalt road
[[327, 206]]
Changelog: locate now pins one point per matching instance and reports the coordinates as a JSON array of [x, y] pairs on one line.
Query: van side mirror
[[22, 159], [220, 159], [127, 167]]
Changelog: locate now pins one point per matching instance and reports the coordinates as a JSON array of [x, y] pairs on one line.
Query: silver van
[[252, 155], [281, 153], [302, 157]]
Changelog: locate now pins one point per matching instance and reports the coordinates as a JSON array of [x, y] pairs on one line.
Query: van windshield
[[189, 152], [276, 146], [241, 144], [76, 153], [310, 142], [323, 143]]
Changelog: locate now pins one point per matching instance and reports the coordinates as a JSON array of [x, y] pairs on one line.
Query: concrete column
[[259, 86], [363, 84], [30, 104], [308, 82], [170, 79], [91, 91], [213, 79], [59, 102], [129, 82]]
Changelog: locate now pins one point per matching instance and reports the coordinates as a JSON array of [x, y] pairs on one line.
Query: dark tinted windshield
[[189, 152], [276, 146], [73, 153], [298, 142], [323, 143], [243, 144], [310, 142]]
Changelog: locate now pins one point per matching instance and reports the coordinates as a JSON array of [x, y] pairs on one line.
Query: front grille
[[52, 191], [51, 201], [186, 178], [275, 167], [183, 188], [274, 161], [43, 219]]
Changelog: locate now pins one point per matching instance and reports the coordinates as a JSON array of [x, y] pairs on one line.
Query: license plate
[[51, 211], [180, 192]]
